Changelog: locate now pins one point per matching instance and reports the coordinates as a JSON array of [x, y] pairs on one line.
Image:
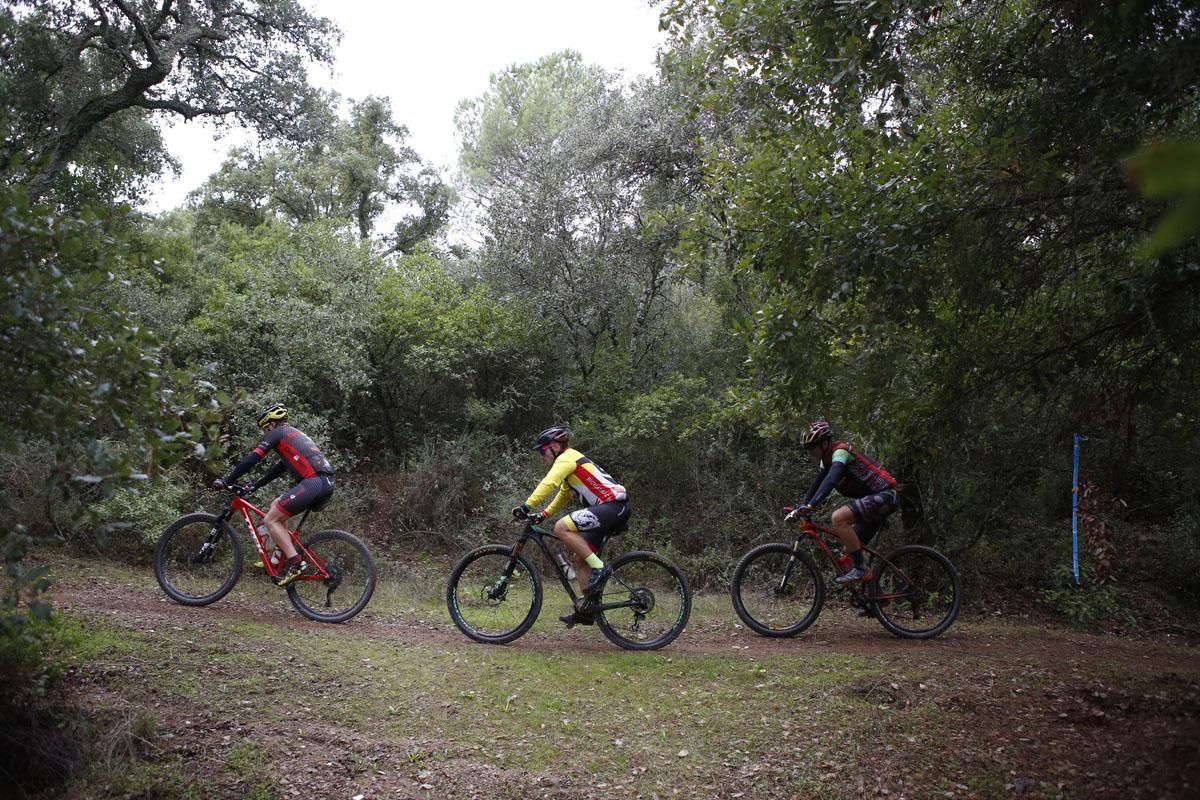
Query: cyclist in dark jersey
[[854, 475], [312, 472]]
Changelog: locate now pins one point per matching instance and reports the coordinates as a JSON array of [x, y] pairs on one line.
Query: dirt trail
[[837, 632], [1055, 737]]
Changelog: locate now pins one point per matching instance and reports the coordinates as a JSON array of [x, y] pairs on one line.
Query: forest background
[[963, 232]]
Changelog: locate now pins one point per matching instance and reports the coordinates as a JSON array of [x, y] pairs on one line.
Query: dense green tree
[[353, 171], [927, 206], [81, 77], [579, 180]]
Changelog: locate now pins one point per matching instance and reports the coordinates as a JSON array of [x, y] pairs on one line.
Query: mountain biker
[[583, 531], [309, 468], [871, 487]]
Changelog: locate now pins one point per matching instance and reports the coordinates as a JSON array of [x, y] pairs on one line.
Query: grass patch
[[194, 699]]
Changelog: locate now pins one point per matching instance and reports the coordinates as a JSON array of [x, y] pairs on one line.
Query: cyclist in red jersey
[[854, 475], [309, 467], [583, 531]]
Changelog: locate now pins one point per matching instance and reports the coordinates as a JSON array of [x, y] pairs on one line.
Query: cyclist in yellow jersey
[[582, 531]]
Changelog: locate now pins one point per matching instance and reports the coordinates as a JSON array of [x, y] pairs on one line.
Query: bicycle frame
[[253, 516], [539, 535], [817, 533]]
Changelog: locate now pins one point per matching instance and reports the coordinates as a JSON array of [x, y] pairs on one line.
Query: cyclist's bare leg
[[843, 526], [275, 522], [578, 546]]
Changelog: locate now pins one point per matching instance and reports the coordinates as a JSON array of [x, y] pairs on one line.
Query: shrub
[[25, 623], [457, 492]]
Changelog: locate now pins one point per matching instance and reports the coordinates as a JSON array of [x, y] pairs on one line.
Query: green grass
[[210, 704], [504, 707]]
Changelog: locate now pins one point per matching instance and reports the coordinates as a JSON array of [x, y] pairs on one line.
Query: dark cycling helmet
[[556, 434], [818, 432], [276, 412]]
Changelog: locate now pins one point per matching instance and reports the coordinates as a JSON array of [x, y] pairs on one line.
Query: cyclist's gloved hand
[[536, 517], [802, 510], [250, 488], [520, 512], [219, 483]]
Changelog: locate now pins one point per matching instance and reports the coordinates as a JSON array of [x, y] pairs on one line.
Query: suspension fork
[[210, 542], [499, 588], [791, 566]]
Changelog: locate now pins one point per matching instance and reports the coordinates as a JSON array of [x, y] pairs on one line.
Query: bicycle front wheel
[[493, 595], [777, 590], [915, 593], [344, 582], [198, 559], [655, 602]]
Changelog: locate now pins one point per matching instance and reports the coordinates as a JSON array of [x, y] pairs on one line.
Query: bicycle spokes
[[197, 560], [916, 594], [493, 595], [776, 590], [339, 579], [205, 553], [644, 603]]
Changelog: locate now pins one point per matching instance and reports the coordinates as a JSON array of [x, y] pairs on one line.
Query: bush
[[26, 626], [457, 493], [1087, 603], [144, 509]]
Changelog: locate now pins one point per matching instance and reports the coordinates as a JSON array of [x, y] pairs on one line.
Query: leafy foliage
[[79, 372], [936, 250], [342, 170], [80, 74]]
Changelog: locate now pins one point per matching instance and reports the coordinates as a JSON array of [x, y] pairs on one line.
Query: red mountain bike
[[199, 559], [778, 590]]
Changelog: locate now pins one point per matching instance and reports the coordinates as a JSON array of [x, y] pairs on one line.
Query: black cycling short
[[305, 494], [594, 523], [870, 512]]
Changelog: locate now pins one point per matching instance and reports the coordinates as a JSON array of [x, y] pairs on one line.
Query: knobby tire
[[494, 596], [190, 573], [915, 592], [777, 594], [350, 584], [661, 602]]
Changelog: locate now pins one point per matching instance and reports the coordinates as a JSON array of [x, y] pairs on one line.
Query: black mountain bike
[[495, 594]]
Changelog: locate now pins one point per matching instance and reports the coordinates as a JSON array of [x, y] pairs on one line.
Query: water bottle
[[268, 542], [565, 563]]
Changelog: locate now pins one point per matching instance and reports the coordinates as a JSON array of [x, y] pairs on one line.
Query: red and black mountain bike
[[778, 590], [199, 559]]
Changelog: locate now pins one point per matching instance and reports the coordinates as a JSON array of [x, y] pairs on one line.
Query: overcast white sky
[[427, 55]]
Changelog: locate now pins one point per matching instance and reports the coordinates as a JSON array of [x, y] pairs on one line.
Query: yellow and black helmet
[[276, 412]]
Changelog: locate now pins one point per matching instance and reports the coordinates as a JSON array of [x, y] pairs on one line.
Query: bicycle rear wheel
[[493, 595], [350, 582], [915, 592], [776, 590], [657, 602], [198, 559]]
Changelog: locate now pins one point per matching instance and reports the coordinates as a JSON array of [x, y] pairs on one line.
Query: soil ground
[[1014, 709]]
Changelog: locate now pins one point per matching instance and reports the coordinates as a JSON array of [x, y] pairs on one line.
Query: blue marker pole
[[1075, 510]]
